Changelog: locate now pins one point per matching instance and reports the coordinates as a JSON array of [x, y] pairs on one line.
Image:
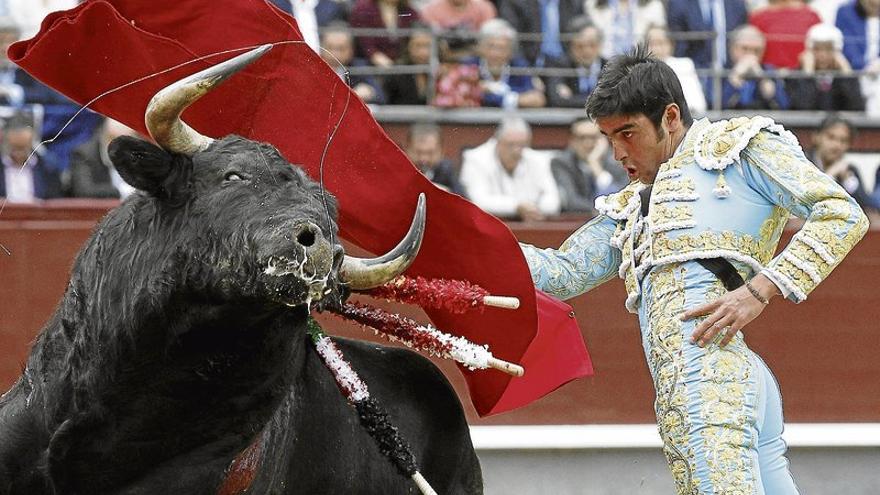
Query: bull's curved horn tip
[[363, 274], [162, 116]]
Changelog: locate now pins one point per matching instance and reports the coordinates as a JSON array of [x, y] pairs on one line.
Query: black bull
[[175, 346]]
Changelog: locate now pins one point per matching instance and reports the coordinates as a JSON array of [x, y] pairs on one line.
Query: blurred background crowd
[[736, 55]]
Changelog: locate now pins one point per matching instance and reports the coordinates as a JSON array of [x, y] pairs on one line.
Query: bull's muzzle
[[312, 260]]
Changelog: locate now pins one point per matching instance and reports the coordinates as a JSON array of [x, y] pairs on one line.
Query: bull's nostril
[[306, 238]]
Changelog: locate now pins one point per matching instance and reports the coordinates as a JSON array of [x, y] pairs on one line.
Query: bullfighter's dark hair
[[637, 83]]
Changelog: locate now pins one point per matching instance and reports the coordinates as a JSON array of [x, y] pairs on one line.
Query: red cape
[[292, 99]]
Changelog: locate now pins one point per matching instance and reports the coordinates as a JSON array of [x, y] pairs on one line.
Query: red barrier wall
[[824, 351]]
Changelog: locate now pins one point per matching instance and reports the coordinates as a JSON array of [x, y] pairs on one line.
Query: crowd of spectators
[[510, 54], [729, 54], [505, 176]]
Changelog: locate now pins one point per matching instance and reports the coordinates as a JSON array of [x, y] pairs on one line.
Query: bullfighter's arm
[[834, 221], [585, 260]]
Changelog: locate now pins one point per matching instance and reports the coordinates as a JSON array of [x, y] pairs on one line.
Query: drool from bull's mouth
[[280, 266]]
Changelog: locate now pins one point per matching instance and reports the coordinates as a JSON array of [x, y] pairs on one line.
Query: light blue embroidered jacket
[[727, 191]]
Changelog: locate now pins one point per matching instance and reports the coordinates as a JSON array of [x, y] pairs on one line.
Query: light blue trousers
[[719, 411]]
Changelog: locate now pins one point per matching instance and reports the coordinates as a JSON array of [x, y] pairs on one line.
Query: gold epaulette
[[720, 143]]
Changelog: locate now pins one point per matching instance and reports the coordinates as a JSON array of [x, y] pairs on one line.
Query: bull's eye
[[232, 176]]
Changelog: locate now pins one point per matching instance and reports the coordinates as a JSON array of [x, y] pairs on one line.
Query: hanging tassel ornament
[[455, 296], [372, 416], [426, 338], [722, 190]]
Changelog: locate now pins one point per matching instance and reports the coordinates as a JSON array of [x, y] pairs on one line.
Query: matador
[[693, 237]]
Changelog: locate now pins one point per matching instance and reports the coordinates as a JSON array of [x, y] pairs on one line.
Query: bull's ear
[[142, 164], [146, 166]]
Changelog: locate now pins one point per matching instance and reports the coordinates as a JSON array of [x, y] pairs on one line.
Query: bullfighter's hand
[[729, 313]]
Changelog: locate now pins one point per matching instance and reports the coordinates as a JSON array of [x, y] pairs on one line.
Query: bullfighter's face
[[639, 145], [247, 222]]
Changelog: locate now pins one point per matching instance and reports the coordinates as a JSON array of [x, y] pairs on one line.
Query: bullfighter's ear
[[142, 164]]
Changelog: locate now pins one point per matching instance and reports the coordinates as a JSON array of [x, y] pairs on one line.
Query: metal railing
[[715, 73]]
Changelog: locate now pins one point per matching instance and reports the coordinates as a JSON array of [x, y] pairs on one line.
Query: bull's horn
[[366, 273], [163, 112]]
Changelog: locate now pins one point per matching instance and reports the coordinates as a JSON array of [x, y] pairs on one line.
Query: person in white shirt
[[11, 93], [624, 22], [507, 178], [27, 176], [660, 44]]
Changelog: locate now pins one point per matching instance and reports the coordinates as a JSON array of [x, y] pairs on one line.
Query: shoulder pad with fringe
[[620, 205], [721, 143]]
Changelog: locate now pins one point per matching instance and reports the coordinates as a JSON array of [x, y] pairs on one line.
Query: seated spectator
[[411, 89], [18, 89], [505, 177], [11, 93], [830, 144], [832, 85], [338, 52], [550, 18], [660, 44], [64, 122], [457, 23], [458, 85], [586, 169], [624, 22], [390, 15], [751, 85], [860, 46], [26, 178], [501, 88], [785, 24], [425, 149], [583, 56], [718, 16], [91, 173]]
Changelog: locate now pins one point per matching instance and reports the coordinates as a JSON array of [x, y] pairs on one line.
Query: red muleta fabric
[[292, 99]]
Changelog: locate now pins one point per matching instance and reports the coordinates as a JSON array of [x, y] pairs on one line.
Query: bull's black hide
[[174, 347]]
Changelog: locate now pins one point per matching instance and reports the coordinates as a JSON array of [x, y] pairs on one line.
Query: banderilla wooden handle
[[509, 368], [423, 485], [505, 302]]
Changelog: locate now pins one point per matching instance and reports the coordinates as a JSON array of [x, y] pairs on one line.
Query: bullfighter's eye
[[232, 176]]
